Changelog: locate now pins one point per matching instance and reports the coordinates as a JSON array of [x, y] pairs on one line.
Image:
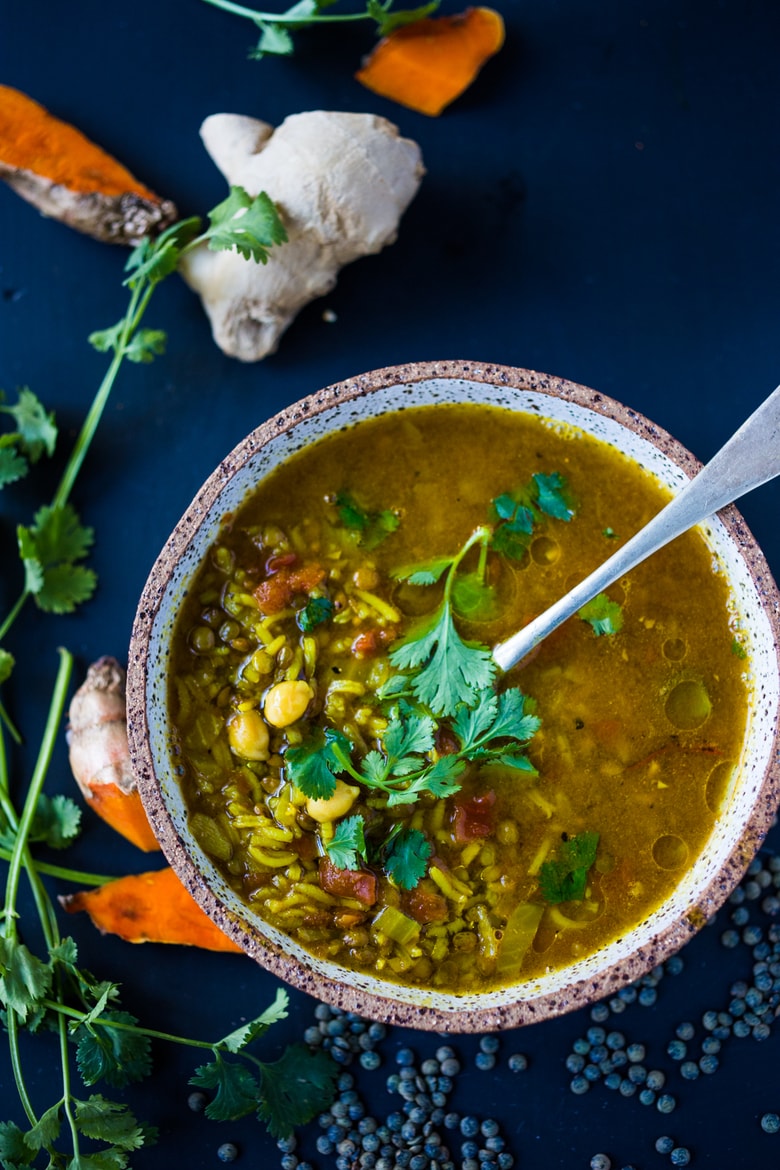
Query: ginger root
[[99, 753], [427, 64], [341, 183], [64, 175], [150, 907]]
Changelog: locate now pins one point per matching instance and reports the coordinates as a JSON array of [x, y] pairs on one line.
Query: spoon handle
[[749, 458]]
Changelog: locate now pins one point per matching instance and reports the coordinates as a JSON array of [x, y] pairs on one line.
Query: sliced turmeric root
[[427, 64], [150, 907], [60, 171], [100, 756]]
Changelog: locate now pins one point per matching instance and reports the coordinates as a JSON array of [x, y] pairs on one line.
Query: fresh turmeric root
[[99, 753], [150, 907], [60, 171], [427, 64]]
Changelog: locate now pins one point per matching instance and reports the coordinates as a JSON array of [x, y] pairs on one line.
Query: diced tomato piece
[[359, 884], [425, 905], [281, 587], [373, 641], [473, 817]]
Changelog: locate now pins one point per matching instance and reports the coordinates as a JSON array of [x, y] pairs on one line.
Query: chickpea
[[330, 808], [248, 735], [286, 702]]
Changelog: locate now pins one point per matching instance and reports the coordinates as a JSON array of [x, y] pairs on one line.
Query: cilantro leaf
[[552, 496], [154, 259], [347, 847], [603, 615], [275, 41], [494, 717], [563, 879], [235, 1088], [316, 611], [46, 1130], [408, 734], [109, 1121], [295, 1088], [235, 1041], [313, 765], [48, 550], [24, 978], [439, 778], [56, 821], [142, 346], [371, 527], [449, 670], [406, 857], [13, 465], [427, 573], [118, 1056], [15, 1152], [250, 225], [36, 430]]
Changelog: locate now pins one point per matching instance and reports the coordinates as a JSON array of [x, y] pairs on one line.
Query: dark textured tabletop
[[602, 205]]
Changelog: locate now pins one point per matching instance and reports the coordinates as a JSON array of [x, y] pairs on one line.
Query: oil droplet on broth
[[688, 705]]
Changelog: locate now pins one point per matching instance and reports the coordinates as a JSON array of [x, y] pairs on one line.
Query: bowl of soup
[[341, 775]]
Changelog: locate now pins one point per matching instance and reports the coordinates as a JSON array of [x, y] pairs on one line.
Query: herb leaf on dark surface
[[295, 1088]]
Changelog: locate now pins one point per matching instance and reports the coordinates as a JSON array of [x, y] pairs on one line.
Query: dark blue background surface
[[602, 205]]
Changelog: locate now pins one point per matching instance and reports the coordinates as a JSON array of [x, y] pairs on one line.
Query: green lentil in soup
[[364, 789]]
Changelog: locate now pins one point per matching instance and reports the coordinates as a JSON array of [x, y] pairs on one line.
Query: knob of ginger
[[100, 756]]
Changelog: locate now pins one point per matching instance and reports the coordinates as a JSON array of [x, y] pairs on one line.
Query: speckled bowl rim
[[375, 998]]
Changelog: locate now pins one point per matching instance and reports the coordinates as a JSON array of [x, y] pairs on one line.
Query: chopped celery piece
[[519, 933], [396, 926]]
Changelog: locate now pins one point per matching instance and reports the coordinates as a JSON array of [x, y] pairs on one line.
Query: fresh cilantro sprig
[[446, 670], [54, 545], [277, 28], [34, 433]]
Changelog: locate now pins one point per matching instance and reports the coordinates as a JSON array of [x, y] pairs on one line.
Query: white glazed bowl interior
[[748, 810]]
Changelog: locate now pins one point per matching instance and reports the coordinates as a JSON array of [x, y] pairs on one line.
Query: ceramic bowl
[[738, 832]]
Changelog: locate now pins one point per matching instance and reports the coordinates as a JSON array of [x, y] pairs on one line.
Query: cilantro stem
[[136, 310], [288, 19], [479, 536], [13, 614], [50, 731], [77, 1014], [12, 731], [77, 876]]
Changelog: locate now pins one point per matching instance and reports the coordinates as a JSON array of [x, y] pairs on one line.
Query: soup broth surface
[[530, 854]]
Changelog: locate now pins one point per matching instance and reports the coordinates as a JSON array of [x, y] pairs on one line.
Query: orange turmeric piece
[[150, 907], [427, 64], [64, 175], [100, 756]]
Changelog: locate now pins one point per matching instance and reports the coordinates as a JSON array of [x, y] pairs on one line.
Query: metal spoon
[[749, 458]]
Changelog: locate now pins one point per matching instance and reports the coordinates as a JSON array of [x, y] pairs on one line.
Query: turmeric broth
[[352, 761]]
